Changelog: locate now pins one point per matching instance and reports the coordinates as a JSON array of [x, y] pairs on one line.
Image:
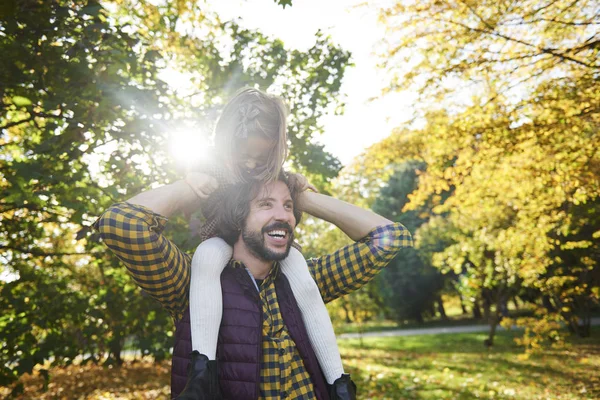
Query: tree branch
[[15, 123], [510, 23], [38, 253], [536, 11], [32, 207], [487, 24], [511, 39]]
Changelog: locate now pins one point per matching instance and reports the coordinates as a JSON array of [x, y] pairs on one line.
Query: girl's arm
[[184, 195]]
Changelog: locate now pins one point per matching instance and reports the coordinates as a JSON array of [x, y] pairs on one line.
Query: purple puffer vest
[[239, 349]]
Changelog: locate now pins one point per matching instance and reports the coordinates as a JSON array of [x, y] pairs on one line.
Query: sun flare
[[187, 146]]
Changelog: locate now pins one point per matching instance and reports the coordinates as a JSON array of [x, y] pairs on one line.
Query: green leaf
[[284, 3], [21, 101]]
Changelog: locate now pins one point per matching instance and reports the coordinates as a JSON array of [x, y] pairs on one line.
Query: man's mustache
[[278, 225]]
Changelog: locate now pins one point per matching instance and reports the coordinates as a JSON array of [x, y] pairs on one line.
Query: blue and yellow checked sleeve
[[134, 234], [354, 265]]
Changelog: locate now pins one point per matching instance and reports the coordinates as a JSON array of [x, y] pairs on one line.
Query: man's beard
[[255, 242]]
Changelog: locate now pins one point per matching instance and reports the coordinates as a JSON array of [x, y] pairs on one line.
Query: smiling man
[[268, 232], [263, 350]]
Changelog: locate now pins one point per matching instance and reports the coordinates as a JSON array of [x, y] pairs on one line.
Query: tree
[[318, 238], [508, 117], [85, 123], [500, 48], [410, 285]]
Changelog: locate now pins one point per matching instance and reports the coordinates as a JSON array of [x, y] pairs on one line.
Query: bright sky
[[356, 30]]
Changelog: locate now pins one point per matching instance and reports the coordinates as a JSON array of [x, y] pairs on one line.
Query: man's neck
[[257, 267]]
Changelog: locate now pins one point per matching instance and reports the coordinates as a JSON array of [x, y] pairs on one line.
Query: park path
[[430, 331]]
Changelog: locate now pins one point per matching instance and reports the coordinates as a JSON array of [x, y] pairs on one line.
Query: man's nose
[[281, 214]]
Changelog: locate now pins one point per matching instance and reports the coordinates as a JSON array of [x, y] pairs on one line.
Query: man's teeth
[[277, 234]]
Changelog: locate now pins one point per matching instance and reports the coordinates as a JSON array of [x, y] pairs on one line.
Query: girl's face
[[255, 155]]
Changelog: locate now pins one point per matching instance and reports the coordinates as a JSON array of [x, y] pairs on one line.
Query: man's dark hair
[[231, 214]]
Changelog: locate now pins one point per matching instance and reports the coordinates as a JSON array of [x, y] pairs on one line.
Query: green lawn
[[451, 366], [458, 366], [386, 325]]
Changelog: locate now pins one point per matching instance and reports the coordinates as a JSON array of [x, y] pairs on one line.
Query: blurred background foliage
[[503, 198], [85, 123], [497, 175]]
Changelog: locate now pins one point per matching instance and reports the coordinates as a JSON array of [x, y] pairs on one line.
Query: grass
[[455, 366], [386, 325], [458, 366]]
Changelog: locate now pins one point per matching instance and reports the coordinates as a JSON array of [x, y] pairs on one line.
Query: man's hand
[[202, 184]]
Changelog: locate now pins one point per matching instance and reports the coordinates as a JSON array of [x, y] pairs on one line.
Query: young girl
[[250, 143]]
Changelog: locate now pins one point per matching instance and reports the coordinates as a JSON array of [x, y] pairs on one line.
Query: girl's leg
[[206, 299], [206, 311], [314, 314]]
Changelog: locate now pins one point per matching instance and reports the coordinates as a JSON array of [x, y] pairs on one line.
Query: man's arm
[[133, 231], [354, 221], [353, 266]]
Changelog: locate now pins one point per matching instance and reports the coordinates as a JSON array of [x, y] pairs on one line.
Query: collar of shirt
[[273, 273]]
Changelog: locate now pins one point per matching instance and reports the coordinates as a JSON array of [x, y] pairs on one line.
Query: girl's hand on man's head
[[302, 183], [203, 185]]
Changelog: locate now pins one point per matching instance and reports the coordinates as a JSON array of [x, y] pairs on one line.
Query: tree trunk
[[515, 302], [486, 308], [586, 327], [419, 317], [462, 305], [489, 342], [348, 311], [581, 328], [493, 321], [116, 346], [476, 310], [431, 310], [503, 310], [440, 307]]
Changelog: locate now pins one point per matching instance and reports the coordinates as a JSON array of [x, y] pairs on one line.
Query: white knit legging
[[206, 304]]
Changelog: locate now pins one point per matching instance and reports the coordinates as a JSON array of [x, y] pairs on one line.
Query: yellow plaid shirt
[[134, 234]]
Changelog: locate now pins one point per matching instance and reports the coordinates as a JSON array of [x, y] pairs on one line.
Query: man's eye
[[264, 204], [289, 206]]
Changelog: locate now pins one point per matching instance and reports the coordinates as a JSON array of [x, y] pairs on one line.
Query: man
[[263, 348]]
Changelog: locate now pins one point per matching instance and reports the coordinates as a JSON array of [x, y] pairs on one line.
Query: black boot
[[342, 389], [203, 379]]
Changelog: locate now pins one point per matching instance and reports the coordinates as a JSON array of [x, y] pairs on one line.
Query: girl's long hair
[[252, 112]]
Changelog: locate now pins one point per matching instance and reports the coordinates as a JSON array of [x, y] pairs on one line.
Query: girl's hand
[[302, 183], [202, 184]]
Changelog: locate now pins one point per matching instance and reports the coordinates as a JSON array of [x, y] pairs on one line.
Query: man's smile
[[278, 233]]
